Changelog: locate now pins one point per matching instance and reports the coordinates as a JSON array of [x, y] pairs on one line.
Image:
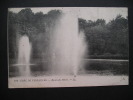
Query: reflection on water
[[107, 67], [92, 67]]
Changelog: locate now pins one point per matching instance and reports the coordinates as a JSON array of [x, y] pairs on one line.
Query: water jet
[[24, 52], [68, 46]]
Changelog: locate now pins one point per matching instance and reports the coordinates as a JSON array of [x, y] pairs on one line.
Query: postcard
[[67, 47]]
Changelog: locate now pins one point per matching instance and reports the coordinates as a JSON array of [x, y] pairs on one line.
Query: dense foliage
[[103, 39], [108, 39]]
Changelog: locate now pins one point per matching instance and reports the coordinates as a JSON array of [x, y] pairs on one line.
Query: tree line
[[103, 39]]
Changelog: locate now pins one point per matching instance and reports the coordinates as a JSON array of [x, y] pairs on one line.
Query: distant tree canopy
[[106, 38], [37, 26], [102, 38]]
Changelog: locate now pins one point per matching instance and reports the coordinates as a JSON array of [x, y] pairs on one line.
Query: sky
[[88, 13]]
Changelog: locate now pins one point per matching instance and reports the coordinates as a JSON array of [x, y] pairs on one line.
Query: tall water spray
[[68, 46], [24, 51]]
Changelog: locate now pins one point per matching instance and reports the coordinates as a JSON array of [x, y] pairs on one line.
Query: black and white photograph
[[67, 47]]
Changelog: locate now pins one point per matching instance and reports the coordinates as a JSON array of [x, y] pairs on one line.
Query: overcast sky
[[88, 13]]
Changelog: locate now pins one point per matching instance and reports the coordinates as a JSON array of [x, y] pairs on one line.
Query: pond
[[91, 67]]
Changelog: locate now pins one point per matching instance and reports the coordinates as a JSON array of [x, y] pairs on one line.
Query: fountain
[[24, 51], [68, 46]]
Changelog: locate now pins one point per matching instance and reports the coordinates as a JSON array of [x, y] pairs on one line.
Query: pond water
[[92, 67]]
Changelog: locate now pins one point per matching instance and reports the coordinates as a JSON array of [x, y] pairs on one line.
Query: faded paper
[[67, 47]]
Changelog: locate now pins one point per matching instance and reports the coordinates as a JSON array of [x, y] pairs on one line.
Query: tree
[[118, 35], [25, 21]]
